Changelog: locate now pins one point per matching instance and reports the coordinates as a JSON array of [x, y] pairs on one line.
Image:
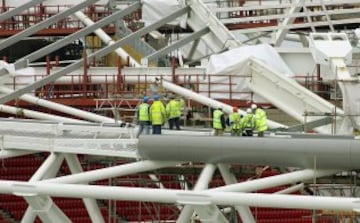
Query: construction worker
[[356, 132], [261, 119], [219, 123], [248, 123], [173, 111], [235, 122], [143, 116], [157, 115]]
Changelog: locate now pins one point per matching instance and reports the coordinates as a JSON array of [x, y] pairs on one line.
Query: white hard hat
[[357, 33], [248, 110], [253, 106]]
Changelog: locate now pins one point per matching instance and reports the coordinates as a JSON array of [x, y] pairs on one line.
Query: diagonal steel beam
[[41, 25], [48, 169], [17, 10], [90, 204], [310, 125], [46, 209], [102, 52], [23, 62], [281, 33], [193, 49], [196, 35]]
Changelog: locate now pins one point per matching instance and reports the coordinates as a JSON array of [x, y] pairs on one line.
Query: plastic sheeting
[[22, 77], [235, 62], [25, 76], [154, 10]]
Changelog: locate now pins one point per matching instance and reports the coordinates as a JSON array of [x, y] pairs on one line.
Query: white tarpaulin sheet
[[234, 62], [154, 10], [19, 78]]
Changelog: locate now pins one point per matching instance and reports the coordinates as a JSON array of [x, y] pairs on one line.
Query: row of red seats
[[7, 171], [21, 162], [21, 169]]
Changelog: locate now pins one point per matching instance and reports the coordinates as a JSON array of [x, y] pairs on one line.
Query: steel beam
[[296, 100], [193, 49], [23, 62], [209, 213], [102, 52], [45, 208], [186, 93], [111, 172], [46, 23], [48, 169], [283, 5], [220, 38], [35, 114], [125, 148], [201, 184], [5, 154], [274, 151], [277, 180], [310, 125], [301, 25], [174, 196], [281, 33], [17, 10], [327, 15], [230, 179], [308, 17], [90, 204], [196, 35]]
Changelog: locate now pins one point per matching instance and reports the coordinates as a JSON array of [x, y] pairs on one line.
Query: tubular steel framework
[[69, 151]]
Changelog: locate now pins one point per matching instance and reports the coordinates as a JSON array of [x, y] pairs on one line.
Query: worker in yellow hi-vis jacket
[[261, 120]]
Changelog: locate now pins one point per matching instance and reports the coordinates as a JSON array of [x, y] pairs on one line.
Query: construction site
[[73, 74]]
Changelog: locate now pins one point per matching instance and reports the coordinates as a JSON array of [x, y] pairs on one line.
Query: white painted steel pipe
[[291, 189], [205, 177], [5, 154], [106, 38], [201, 184], [111, 172], [36, 115], [310, 152], [90, 204], [179, 196], [274, 181], [207, 101], [229, 179], [49, 168], [52, 163], [62, 108]]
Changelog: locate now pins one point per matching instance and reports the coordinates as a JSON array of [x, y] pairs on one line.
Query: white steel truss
[[66, 138]]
